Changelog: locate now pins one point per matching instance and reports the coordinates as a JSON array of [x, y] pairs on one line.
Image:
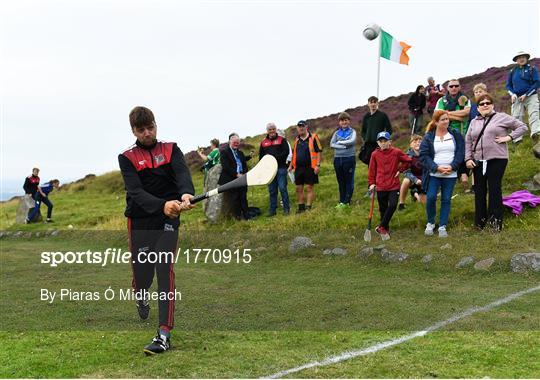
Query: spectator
[[343, 142], [478, 89], [413, 176], [486, 153], [383, 174], [212, 159], [31, 183], [306, 163], [458, 106], [417, 103], [433, 93], [42, 196], [234, 165], [373, 123], [441, 153], [278, 147], [522, 85]]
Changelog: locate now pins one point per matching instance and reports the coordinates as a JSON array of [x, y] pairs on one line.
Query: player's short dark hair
[[373, 99], [55, 181], [140, 117], [214, 142]]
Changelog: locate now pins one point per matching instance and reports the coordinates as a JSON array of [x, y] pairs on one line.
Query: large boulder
[[216, 208], [26, 203]]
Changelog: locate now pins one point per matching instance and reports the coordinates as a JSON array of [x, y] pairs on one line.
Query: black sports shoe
[[160, 344], [143, 307]]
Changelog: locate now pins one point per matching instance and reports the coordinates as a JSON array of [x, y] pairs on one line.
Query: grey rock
[[37, 234], [28, 235], [17, 234], [485, 264], [534, 184], [327, 251], [465, 262], [427, 259], [54, 233], [26, 203], [339, 251], [446, 246], [390, 257], [299, 243], [379, 247], [366, 252], [216, 208], [523, 262]]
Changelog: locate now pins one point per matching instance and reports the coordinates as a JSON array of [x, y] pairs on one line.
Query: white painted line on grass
[[394, 342]]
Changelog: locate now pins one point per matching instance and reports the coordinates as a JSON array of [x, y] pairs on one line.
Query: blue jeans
[[344, 167], [279, 182], [447, 188]]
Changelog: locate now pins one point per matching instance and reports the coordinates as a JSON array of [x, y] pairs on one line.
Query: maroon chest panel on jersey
[[33, 180], [150, 159], [267, 142]]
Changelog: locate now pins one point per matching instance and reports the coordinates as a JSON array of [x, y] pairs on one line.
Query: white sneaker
[[442, 232], [429, 229]]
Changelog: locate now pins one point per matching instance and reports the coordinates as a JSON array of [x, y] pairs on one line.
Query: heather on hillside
[[396, 107]]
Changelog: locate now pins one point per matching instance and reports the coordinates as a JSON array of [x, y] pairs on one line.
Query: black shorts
[[416, 189], [305, 176]]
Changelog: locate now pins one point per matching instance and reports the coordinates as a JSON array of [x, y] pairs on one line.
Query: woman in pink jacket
[[486, 153]]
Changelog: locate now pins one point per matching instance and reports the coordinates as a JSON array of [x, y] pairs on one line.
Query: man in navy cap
[[306, 163]]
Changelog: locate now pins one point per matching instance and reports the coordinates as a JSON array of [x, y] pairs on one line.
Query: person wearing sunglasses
[[486, 153], [458, 106]]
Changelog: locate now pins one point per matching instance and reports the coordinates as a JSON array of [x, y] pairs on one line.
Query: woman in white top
[[442, 151]]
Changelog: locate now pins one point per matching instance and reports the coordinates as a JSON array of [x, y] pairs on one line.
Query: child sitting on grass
[[413, 176], [385, 165]]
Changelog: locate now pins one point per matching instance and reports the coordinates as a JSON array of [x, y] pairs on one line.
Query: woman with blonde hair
[[441, 153]]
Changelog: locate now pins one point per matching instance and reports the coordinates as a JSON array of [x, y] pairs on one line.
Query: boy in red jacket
[[384, 168]]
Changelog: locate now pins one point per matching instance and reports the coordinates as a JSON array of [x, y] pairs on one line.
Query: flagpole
[[379, 66]]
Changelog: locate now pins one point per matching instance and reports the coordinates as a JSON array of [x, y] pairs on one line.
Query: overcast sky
[[72, 70]]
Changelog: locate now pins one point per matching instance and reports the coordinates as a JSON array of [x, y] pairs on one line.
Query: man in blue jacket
[[522, 85]]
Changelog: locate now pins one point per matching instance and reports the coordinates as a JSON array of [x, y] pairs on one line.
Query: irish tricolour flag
[[393, 49]]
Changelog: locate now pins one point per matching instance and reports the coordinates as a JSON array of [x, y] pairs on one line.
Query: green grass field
[[282, 309]]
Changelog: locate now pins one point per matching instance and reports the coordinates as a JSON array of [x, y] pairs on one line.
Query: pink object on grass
[[516, 200]]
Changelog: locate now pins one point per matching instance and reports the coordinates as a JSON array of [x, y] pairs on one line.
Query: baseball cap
[[301, 123], [383, 135]]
